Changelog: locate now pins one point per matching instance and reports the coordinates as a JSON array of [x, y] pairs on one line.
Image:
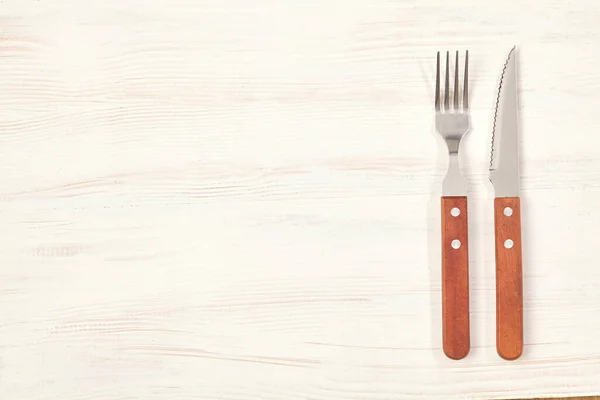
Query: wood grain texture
[[571, 398], [455, 277], [509, 277], [239, 200]]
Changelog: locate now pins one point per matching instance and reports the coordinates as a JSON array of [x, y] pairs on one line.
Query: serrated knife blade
[[504, 163], [504, 175]]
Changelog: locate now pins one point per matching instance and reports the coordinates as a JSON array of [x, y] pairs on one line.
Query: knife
[[504, 175]]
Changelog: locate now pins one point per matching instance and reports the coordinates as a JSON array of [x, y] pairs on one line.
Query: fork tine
[[466, 83], [447, 86], [437, 84], [456, 83]]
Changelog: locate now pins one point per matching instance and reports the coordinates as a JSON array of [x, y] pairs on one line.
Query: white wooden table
[[239, 199]]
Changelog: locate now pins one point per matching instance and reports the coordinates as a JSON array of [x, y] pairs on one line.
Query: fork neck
[[454, 183], [452, 146]]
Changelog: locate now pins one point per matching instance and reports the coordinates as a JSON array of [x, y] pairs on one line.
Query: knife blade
[[504, 175]]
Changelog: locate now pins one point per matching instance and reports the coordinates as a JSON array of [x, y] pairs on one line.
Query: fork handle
[[455, 277], [509, 277]]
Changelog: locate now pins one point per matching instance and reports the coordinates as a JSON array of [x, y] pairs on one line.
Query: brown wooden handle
[[455, 277], [509, 278]]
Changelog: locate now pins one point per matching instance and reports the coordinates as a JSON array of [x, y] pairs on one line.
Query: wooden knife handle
[[455, 278], [509, 278]]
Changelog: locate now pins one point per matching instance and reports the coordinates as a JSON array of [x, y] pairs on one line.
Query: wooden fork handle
[[455, 277], [509, 278]]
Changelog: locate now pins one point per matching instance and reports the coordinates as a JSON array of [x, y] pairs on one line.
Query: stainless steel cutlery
[[504, 175], [452, 122]]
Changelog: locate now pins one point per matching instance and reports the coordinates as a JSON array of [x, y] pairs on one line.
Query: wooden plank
[[571, 398], [239, 199]]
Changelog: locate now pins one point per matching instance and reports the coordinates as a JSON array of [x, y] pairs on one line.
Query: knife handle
[[509, 277], [455, 277]]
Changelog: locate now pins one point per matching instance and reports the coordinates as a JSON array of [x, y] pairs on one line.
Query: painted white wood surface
[[238, 199]]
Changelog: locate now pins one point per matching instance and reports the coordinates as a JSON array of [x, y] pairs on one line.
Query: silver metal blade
[[504, 163]]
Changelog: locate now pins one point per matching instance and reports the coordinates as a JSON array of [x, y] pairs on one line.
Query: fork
[[452, 124]]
